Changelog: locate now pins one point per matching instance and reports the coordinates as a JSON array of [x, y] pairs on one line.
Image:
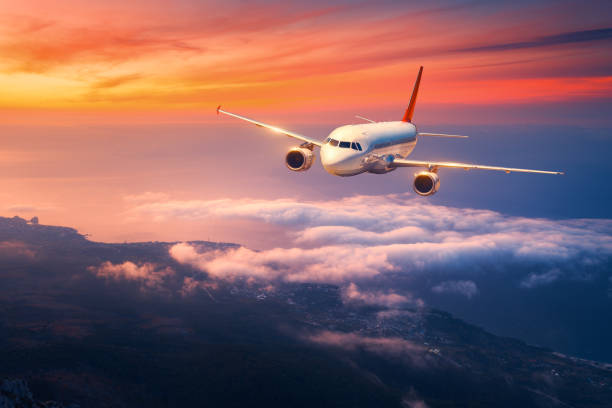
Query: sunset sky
[[172, 59], [105, 104]]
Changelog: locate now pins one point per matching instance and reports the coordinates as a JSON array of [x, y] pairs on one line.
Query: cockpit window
[[345, 145]]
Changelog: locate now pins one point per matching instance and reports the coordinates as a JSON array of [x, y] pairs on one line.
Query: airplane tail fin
[[410, 111]]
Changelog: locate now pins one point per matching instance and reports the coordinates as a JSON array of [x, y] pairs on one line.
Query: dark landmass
[[77, 338]]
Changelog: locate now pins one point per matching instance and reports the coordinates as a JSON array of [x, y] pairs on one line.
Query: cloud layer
[[365, 237]]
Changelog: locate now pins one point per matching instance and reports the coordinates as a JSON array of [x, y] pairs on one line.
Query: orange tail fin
[[410, 111]]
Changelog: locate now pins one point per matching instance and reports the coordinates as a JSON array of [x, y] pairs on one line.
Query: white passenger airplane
[[374, 147]]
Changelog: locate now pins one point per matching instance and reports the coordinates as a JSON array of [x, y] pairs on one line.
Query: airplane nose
[[338, 164], [333, 166]]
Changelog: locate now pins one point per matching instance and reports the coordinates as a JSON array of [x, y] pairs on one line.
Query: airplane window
[[358, 146], [354, 146], [333, 142], [327, 140], [346, 145]]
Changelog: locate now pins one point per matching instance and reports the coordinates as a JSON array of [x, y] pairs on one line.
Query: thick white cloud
[[362, 237], [466, 288], [149, 275], [332, 264]]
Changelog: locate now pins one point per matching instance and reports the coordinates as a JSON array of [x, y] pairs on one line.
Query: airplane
[[374, 147]]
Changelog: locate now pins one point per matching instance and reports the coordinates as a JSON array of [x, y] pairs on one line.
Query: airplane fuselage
[[370, 147]]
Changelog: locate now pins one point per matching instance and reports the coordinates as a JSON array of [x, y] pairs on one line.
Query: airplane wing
[[273, 128], [441, 135], [366, 119], [466, 166]]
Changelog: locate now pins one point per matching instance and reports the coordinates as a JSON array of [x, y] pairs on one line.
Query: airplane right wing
[[273, 128], [466, 166]]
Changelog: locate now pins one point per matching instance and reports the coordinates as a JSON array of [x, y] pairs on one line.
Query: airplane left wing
[[273, 128], [366, 119], [466, 166], [441, 135]]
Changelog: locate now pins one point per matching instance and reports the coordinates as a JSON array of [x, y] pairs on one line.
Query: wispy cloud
[[115, 81], [56, 44], [331, 54], [387, 346], [29, 208], [411, 403], [15, 250], [352, 294], [573, 37], [539, 279], [465, 288]]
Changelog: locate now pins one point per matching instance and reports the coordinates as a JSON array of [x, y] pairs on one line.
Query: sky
[[106, 105]]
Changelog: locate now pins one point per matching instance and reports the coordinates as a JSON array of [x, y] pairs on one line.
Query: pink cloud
[[389, 298], [149, 275], [191, 285], [16, 249], [386, 346]]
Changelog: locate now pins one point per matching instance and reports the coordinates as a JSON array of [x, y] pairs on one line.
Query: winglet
[[218, 107], [410, 111]]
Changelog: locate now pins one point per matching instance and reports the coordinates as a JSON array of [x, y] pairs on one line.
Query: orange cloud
[[275, 56]]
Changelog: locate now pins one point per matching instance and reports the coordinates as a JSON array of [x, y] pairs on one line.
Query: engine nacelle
[[426, 183], [299, 159]]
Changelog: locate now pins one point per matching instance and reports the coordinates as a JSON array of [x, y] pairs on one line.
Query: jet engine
[[426, 183], [299, 159]]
